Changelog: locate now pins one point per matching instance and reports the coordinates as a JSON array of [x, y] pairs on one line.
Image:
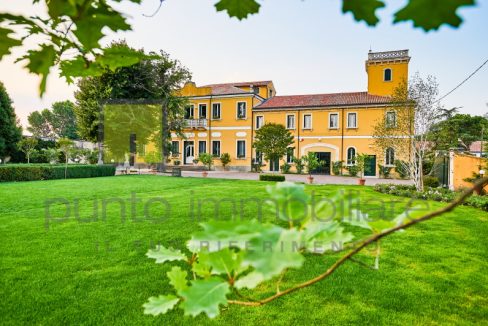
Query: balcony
[[196, 123]]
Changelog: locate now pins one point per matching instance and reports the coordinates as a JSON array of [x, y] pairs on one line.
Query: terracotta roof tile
[[323, 100]]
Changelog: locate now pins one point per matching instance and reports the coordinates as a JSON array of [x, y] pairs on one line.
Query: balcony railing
[[401, 54], [196, 123]]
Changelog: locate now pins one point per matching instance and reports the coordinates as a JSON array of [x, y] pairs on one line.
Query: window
[[202, 147], [352, 121], [175, 148], [333, 121], [216, 111], [351, 156], [255, 90], [391, 119], [289, 155], [259, 158], [390, 156], [387, 74], [189, 112], [216, 148], [241, 110], [270, 93], [259, 121], [307, 121], [241, 148], [202, 111], [290, 122]]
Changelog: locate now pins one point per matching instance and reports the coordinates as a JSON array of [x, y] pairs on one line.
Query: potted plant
[[311, 162], [195, 161], [225, 159], [360, 164], [207, 160]]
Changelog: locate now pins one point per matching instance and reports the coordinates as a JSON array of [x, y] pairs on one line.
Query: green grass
[[435, 273]]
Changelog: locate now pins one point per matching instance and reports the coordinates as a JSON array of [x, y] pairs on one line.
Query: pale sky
[[305, 47]]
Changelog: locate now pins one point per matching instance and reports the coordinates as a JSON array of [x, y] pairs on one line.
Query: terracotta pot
[[361, 182], [310, 179], [204, 174]]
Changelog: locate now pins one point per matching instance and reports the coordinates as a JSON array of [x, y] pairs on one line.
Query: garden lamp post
[[482, 173]]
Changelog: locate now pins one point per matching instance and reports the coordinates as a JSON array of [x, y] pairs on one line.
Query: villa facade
[[223, 118]]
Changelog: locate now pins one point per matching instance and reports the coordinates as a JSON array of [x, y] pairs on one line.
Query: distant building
[[476, 149]]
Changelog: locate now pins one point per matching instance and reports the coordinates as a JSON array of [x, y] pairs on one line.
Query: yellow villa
[[223, 118]]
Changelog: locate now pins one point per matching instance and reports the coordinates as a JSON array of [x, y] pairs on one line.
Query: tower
[[386, 71]]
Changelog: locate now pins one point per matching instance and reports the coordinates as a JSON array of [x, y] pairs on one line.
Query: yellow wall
[[375, 71], [462, 167]]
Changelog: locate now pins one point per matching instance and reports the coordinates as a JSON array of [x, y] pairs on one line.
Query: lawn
[[79, 271]]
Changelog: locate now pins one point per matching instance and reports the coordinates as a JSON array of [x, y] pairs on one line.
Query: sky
[[304, 46]]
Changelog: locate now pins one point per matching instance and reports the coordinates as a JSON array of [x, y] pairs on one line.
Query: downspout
[[298, 133], [252, 129], [342, 137], [210, 115]]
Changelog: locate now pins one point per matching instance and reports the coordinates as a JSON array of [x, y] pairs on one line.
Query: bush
[[352, 170], [225, 159], [400, 168], [436, 194], [431, 182], [285, 168], [271, 177], [385, 171], [337, 167], [33, 172], [299, 165]]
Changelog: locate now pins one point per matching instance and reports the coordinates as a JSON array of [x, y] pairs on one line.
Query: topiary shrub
[[271, 177], [385, 171], [431, 182], [352, 170], [337, 167]]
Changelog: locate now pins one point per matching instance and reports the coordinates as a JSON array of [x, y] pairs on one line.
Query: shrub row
[[436, 194], [271, 177], [24, 172]]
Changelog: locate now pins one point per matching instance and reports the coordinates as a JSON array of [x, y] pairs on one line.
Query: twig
[[366, 242]]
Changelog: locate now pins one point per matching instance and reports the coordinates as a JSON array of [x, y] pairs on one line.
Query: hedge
[[271, 177], [33, 172], [436, 194]]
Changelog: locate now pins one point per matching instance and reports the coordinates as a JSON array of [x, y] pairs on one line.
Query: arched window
[[387, 76], [351, 156], [390, 156]]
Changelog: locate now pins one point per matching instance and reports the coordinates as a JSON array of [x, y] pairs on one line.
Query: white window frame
[[245, 110], [192, 111], [199, 110], [386, 119], [220, 111], [179, 149], [294, 121], [220, 148], [311, 121], [259, 116], [347, 155], [336, 114], [347, 116], [237, 149], [391, 75], [206, 147], [386, 157], [292, 155]]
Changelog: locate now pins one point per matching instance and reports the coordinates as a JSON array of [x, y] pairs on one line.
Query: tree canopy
[[273, 140], [10, 130], [72, 31], [59, 121], [458, 131]]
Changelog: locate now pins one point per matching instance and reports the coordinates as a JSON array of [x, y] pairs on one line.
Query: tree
[[311, 162], [448, 113], [10, 131], [225, 159], [407, 131], [460, 130], [28, 146], [39, 124], [76, 28], [273, 141], [206, 159], [59, 121], [158, 78], [65, 146]]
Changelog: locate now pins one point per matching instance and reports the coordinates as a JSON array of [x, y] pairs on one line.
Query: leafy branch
[[227, 262]]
